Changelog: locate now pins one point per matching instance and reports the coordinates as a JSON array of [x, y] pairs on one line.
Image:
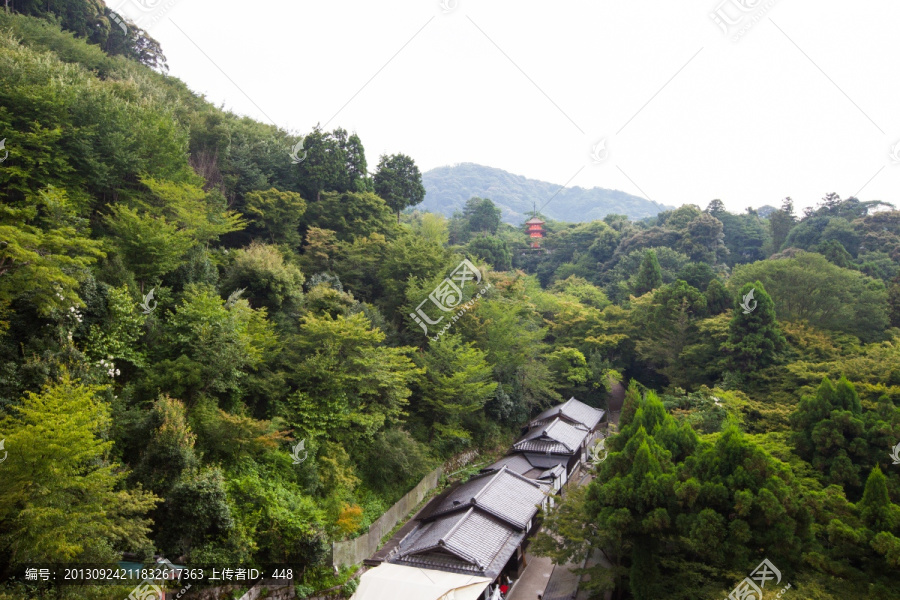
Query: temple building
[[469, 542], [535, 229]]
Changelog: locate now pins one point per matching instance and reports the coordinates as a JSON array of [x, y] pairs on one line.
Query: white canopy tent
[[394, 582]]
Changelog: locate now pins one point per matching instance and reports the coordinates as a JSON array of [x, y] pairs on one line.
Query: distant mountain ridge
[[448, 188]]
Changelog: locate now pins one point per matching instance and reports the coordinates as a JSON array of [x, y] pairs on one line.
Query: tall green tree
[[199, 503], [170, 449], [61, 498], [780, 224], [209, 346], [331, 162], [350, 215], [204, 215], [117, 336], [349, 385], [457, 382], [151, 246], [268, 280], [44, 251], [718, 300], [894, 302], [754, 338], [355, 161], [630, 404], [649, 275], [811, 410], [665, 324], [409, 261], [398, 180], [703, 239], [666, 502], [277, 215], [493, 250], [481, 215], [838, 438], [571, 369], [875, 508]]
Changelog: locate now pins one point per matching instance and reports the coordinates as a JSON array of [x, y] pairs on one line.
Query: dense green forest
[[280, 313]]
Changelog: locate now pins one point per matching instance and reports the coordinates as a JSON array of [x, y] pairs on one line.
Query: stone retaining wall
[[353, 552]]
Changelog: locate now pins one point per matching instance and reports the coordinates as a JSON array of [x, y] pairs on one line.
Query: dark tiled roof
[[475, 527], [530, 466], [517, 463], [468, 542], [553, 472], [545, 461], [553, 436], [503, 494], [572, 411]]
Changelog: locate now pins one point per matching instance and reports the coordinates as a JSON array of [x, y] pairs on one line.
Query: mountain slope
[[448, 188]]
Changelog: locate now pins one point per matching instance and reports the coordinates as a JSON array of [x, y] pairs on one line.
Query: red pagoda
[[535, 229]]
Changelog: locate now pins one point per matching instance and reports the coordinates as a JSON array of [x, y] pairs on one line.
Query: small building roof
[[530, 466], [553, 472], [572, 411], [554, 436], [534, 221], [545, 461], [474, 528], [503, 494], [469, 542]]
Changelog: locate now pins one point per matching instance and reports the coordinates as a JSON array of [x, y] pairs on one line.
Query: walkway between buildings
[[534, 579], [542, 577]]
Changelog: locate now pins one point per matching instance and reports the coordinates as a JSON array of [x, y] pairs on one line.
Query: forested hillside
[[183, 301], [448, 189]]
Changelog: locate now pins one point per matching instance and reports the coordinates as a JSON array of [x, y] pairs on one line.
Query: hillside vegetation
[[170, 423], [448, 189]]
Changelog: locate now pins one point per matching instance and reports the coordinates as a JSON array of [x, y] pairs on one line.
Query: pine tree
[[170, 449], [754, 338], [630, 404], [846, 397], [717, 299], [875, 508], [644, 577], [780, 224], [811, 410], [649, 276]]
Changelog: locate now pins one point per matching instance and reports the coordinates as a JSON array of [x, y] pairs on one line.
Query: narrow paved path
[[563, 583], [542, 577], [615, 402], [558, 582], [534, 579], [595, 559]]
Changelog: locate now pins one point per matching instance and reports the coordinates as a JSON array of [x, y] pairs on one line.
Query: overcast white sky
[[805, 102]]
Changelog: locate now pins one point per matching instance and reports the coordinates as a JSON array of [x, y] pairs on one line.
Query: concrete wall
[[353, 552]]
